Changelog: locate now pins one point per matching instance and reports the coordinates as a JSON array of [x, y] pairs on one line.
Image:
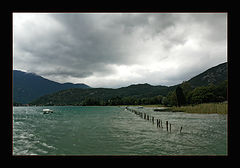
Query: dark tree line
[[184, 94], [130, 100]]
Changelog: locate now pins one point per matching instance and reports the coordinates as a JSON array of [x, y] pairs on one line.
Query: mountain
[[29, 86], [77, 96], [215, 75]]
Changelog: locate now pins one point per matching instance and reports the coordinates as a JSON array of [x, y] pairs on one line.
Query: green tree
[[204, 94], [181, 100], [187, 89], [90, 102], [197, 95], [165, 101], [221, 91], [171, 99]]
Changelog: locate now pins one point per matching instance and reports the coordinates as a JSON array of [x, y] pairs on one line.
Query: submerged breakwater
[[109, 130]]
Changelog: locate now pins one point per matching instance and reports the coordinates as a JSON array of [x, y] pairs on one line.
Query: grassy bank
[[206, 108]]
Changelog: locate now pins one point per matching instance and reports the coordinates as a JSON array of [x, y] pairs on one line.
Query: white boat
[[140, 107], [46, 111]]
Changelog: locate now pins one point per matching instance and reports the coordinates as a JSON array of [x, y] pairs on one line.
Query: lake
[[112, 130]]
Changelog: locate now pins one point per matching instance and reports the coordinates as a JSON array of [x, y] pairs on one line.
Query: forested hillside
[[209, 86], [29, 86]]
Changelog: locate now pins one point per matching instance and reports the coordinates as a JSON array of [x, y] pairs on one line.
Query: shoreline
[[204, 108]]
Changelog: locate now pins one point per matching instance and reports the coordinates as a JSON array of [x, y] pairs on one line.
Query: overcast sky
[[119, 49]]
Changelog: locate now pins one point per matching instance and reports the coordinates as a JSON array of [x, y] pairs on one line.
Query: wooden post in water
[[181, 129], [170, 127], [167, 125]]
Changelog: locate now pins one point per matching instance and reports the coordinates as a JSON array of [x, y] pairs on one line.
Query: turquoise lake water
[[76, 130]]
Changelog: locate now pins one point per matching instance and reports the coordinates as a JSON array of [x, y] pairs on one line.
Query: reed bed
[[205, 108]]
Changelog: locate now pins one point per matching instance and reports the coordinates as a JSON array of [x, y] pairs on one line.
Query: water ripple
[[114, 131]]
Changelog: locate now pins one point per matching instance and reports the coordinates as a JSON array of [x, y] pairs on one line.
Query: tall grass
[[206, 108]]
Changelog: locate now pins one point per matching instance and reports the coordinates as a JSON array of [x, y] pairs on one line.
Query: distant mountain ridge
[[214, 75], [75, 96], [29, 86]]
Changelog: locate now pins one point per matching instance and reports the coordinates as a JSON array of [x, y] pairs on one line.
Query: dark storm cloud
[[88, 40], [78, 47], [95, 46]]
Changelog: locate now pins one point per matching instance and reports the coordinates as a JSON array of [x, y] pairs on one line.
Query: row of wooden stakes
[[152, 119]]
